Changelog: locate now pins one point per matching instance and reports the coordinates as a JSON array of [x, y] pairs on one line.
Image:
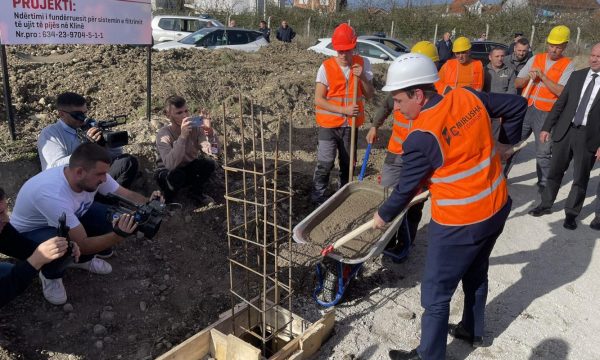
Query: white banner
[[75, 22]]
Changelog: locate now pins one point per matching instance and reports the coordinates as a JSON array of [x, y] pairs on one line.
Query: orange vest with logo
[[400, 131], [541, 97], [449, 75], [469, 187], [340, 93]]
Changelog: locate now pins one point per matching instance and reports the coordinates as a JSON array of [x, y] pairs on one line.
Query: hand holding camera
[[124, 225]]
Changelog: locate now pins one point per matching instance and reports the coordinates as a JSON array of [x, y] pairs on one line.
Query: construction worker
[[392, 165], [335, 109], [450, 146], [461, 71], [549, 72]]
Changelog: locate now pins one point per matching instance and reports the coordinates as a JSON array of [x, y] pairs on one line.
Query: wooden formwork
[[217, 341]]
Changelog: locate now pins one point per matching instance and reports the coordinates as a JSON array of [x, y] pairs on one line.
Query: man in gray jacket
[[499, 78]]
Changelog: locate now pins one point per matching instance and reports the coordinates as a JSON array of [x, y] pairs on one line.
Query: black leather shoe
[[459, 332], [570, 223], [595, 224], [539, 211], [404, 355]]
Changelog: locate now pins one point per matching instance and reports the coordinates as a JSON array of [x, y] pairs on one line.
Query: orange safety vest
[[469, 187], [400, 130], [450, 71], [340, 93], [541, 97]]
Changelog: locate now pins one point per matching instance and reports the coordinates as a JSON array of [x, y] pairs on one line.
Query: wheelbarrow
[[351, 206]]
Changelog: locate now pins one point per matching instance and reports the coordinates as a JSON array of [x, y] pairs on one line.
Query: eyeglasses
[[77, 115]]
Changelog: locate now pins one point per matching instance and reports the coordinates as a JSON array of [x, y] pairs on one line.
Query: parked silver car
[[218, 38], [175, 27]]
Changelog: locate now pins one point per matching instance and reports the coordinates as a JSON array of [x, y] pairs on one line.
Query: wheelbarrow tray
[[356, 251]]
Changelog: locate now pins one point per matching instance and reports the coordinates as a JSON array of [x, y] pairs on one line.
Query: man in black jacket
[[444, 48], [285, 33], [14, 279], [266, 32], [575, 124]]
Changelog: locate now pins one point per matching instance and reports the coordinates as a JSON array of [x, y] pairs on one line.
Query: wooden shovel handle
[[527, 89]]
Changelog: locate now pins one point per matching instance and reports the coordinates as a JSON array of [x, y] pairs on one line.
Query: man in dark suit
[[444, 48], [575, 123]]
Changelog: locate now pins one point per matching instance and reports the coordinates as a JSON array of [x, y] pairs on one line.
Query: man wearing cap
[[461, 71], [392, 165], [548, 73], [450, 146], [511, 47], [335, 109]]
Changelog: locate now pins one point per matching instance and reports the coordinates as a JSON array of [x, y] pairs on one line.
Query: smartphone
[[197, 120]]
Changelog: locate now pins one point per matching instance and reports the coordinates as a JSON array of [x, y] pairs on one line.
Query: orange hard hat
[[344, 38]]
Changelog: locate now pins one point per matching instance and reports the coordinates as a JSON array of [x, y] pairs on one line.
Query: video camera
[[148, 216], [112, 139]]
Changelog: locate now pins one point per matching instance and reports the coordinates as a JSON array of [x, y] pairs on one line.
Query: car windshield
[[193, 38], [389, 50]]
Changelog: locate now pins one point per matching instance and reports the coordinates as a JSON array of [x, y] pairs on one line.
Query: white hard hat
[[409, 70]]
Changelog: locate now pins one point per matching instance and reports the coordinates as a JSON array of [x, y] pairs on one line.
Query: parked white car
[[376, 52], [218, 38], [392, 43], [175, 27]]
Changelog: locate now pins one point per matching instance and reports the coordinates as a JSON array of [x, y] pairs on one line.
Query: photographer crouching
[[70, 190], [58, 141], [185, 148], [14, 279]]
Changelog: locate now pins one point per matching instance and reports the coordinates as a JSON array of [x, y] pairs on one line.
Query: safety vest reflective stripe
[[401, 124], [474, 198], [398, 139], [461, 175], [321, 111], [537, 98], [348, 100]]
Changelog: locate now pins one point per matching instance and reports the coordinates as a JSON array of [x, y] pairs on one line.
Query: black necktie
[[585, 100]]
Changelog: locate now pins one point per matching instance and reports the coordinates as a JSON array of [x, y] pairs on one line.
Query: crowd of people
[[456, 125]]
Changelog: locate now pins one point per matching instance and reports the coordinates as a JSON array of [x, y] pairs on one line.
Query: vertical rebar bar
[[290, 187], [245, 192], [228, 218], [275, 232], [265, 237]]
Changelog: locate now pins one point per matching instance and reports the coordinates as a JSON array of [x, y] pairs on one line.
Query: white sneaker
[[96, 266], [54, 290]]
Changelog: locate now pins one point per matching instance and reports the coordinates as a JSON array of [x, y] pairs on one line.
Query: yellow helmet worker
[[426, 48]]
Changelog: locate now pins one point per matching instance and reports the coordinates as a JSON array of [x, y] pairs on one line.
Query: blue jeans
[[95, 224]]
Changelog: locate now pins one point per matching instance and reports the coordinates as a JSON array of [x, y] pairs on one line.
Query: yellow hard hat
[[461, 44], [559, 35], [426, 48]]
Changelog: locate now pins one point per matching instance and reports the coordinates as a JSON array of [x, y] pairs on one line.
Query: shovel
[[521, 144]]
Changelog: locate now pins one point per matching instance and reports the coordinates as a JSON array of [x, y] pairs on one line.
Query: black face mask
[[78, 115]]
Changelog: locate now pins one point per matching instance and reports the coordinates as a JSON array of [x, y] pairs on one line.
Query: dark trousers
[[332, 142], [194, 174], [571, 147], [94, 222], [124, 169], [445, 265]]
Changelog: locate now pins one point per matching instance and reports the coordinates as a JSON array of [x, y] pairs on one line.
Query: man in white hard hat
[[451, 147]]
